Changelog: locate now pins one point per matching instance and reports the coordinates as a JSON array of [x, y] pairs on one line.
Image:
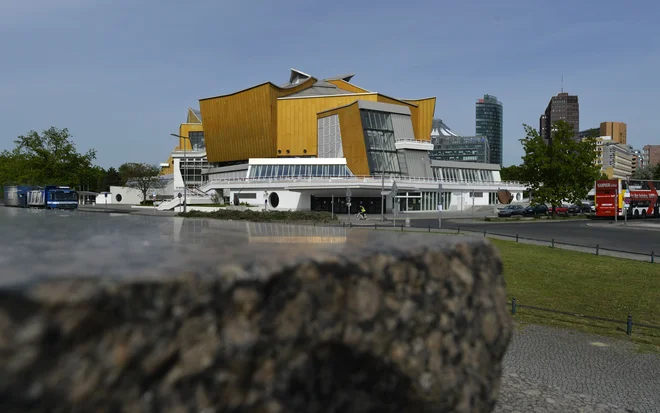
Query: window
[[379, 141], [197, 141]]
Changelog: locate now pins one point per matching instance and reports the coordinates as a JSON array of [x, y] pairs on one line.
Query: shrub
[[270, 216]]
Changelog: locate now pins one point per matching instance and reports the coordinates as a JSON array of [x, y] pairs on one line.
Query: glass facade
[[463, 174], [197, 141], [192, 171], [379, 140], [489, 123], [461, 149], [298, 171]]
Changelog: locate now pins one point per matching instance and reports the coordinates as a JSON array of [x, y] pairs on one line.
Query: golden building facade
[[617, 130], [270, 121]]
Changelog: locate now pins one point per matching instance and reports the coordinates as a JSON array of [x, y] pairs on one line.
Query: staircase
[[170, 204]]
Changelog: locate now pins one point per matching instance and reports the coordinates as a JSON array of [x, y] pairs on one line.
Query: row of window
[[462, 174], [282, 171], [376, 120]]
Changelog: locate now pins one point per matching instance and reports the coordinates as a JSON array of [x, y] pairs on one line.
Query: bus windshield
[[64, 196]]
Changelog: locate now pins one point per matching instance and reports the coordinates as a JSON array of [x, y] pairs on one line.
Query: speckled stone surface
[[267, 319]]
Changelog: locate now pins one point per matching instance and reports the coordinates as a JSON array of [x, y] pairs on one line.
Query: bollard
[[350, 225], [401, 227], [484, 233], [652, 257], [429, 228], [514, 306], [516, 237], [553, 243], [375, 227], [459, 230], [629, 325], [597, 249]]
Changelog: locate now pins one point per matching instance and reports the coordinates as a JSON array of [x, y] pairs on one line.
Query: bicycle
[[361, 216]]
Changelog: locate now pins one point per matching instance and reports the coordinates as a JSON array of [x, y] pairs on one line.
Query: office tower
[[561, 107], [489, 123]]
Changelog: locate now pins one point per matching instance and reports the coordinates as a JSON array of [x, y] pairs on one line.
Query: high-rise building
[[589, 133], [652, 154], [489, 123], [617, 130], [616, 160], [450, 146], [561, 107]]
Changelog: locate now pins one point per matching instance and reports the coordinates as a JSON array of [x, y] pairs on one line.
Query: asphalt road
[[635, 240]]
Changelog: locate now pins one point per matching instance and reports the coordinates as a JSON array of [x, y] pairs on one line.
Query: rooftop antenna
[[562, 83]]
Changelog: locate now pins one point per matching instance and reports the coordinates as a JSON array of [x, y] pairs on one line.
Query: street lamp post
[[382, 182], [185, 162]]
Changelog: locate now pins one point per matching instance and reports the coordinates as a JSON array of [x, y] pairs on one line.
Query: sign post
[[440, 205], [616, 205], [394, 201], [179, 196], [348, 204], [332, 206]]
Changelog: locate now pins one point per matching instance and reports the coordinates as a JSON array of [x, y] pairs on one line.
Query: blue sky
[[120, 74]]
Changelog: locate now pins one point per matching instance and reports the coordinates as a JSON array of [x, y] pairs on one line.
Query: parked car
[[575, 209], [511, 210], [567, 210], [588, 207], [538, 209]]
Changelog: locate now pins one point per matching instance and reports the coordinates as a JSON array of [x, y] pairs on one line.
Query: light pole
[[382, 182], [185, 162]]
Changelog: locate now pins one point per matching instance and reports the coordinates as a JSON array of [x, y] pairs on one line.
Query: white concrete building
[[315, 183]]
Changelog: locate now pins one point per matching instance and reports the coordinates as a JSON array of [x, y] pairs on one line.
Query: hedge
[[258, 216]]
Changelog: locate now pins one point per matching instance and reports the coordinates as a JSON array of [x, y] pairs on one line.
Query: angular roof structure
[[440, 129]]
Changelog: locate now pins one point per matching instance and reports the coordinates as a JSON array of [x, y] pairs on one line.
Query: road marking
[[599, 344]]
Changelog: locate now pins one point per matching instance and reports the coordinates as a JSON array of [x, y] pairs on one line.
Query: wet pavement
[[545, 369]]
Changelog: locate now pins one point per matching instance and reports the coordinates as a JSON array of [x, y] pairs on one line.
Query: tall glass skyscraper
[[489, 121]]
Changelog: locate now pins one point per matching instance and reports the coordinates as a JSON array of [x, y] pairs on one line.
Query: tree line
[[563, 170], [51, 158]]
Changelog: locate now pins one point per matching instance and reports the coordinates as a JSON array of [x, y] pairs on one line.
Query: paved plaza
[[555, 370]]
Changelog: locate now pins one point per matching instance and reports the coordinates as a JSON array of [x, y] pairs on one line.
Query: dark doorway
[[372, 205]]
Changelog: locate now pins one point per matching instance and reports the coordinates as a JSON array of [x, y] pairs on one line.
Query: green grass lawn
[[583, 284]]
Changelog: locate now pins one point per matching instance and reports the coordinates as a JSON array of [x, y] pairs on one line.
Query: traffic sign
[[348, 192], [394, 188], [179, 195]]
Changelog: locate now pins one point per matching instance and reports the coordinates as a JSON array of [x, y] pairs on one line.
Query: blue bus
[[48, 197]]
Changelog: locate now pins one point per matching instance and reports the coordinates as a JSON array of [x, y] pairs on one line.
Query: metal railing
[[628, 322], [356, 179], [597, 249]]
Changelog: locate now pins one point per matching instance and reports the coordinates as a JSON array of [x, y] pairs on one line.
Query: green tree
[[141, 176], [564, 170], [512, 173], [111, 178], [46, 158], [647, 172]]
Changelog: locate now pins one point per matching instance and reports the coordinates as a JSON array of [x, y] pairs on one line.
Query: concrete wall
[[288, 200]]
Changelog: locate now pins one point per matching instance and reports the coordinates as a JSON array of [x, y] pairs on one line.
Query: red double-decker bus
[[642, 196]]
